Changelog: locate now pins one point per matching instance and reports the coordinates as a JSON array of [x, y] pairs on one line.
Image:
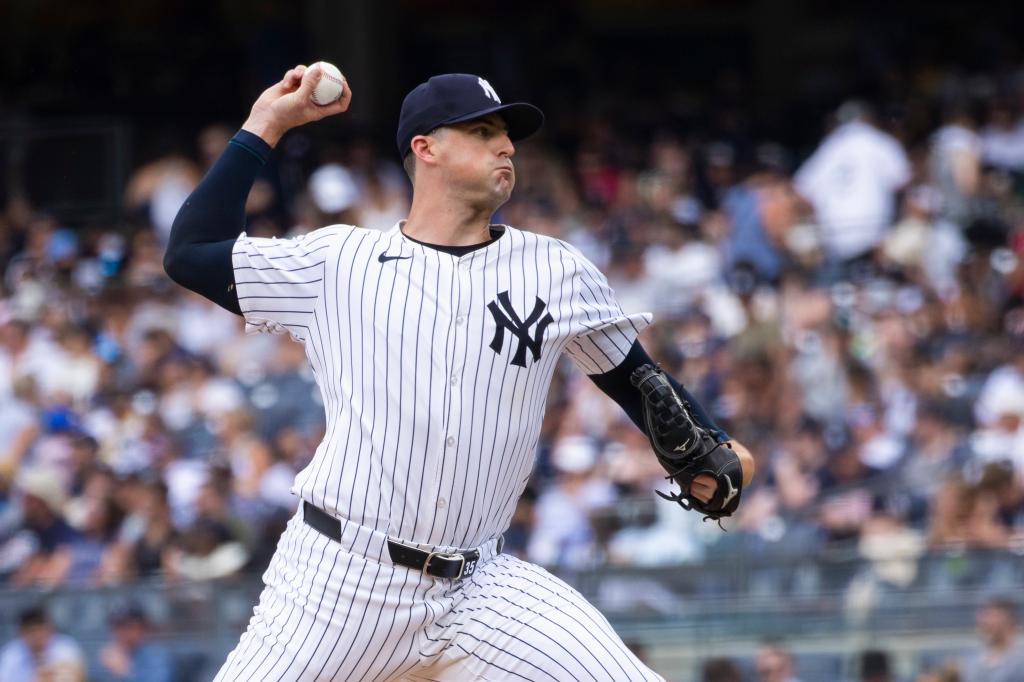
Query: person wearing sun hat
[[43, 496]]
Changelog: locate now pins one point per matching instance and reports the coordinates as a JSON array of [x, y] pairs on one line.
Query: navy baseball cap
[[456, 97]]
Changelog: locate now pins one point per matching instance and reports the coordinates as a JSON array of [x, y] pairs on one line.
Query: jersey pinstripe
[[434, 368]]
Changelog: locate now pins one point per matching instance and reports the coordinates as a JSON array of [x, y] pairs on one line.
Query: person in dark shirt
[[720, 670], [875, 667], [42, 502]]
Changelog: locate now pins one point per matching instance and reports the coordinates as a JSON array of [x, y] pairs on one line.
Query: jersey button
[[465, 266], [460, 320], [455, 381], [441, 503], [450, 441]]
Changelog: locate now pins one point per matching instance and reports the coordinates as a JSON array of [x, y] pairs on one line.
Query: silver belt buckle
[[445, 555]]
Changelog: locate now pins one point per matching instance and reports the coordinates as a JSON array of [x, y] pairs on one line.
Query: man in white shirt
[[851, 181]]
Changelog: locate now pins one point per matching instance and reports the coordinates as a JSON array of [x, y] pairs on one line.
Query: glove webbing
[[683, 499]]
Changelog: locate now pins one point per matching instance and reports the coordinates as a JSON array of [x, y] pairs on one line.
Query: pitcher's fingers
[[340, 104], [293, 78], [707, 482], [310, 77], [703, 487]]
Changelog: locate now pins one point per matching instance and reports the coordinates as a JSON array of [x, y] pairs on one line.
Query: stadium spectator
[[999, 411], [213, 545], [875, 667], [849, 499], [132, 655], [42, 503], [98, 526], [760, 212], [39, 653], [720, 670], [934, 452], [945, 673], [562, 533], [952, 508], [19, 426], [774, 663], [669, 537], [1001, 657], [922, 243], [1002, 138], [851, 180], [146, 534], [205, 551], [981, 514], [157, 190], [956, 155]]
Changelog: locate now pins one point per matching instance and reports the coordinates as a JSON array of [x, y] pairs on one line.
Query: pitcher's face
[[476, 159]]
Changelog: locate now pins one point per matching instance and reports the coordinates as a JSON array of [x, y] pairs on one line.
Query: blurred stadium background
[[821, 202]]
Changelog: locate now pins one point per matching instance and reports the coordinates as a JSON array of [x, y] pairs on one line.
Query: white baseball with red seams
[[330, 86]]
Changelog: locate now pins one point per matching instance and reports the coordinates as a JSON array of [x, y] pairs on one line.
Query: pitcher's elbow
[[174, 267]]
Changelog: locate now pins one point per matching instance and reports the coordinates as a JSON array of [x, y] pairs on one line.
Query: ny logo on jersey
[[488, 90], [505, 317]]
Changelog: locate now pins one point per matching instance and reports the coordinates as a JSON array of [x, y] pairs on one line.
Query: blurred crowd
[[133, 652], [852, 312], [998, 656], [40, 653]]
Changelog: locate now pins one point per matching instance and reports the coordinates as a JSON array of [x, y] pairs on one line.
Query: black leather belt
[[450, 565]]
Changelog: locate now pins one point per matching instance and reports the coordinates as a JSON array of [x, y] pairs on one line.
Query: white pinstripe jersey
[[434, 368]]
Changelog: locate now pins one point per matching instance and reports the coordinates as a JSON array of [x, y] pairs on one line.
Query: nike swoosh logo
[[384, 259]]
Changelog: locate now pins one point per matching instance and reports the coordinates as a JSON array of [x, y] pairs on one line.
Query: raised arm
[[202, 237]]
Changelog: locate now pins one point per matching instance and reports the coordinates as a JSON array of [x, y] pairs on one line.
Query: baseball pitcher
[[433, 345]]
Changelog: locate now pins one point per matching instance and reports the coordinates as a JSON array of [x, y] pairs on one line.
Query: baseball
[[330, 86]]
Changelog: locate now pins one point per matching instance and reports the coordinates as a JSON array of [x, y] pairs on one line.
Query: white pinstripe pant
[[333, 612]]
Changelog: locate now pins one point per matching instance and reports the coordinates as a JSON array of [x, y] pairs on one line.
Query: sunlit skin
[[476, 160]]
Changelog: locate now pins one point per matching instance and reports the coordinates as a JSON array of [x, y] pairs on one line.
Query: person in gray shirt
[[1001, 658]]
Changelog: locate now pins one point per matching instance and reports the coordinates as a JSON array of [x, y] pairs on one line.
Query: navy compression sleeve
[[203, 235], [616, 385]]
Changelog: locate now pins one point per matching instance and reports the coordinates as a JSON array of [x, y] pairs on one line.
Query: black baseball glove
[[685, 448]]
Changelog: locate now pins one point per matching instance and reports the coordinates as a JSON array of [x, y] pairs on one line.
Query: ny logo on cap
[[488, 90], [505, 317]]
